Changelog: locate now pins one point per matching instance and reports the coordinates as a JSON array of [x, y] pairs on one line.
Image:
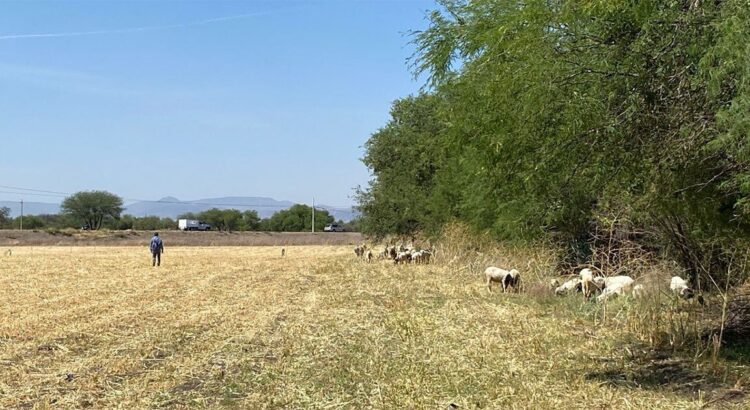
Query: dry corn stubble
[[244, 327]]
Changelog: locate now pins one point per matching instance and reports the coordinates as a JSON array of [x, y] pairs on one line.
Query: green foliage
[[297, 218], [222, 219], [405, 158], [188, 215], [31, 222], [250, 221], [352, 226], [227, 219], [542, 116], [92, 207], [4, 215]]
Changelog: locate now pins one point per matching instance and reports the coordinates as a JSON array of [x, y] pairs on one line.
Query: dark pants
[[157, 259]]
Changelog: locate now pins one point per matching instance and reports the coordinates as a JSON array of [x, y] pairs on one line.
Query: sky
[[198, 99]]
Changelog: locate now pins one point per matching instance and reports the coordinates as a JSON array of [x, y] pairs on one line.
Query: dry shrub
[[471, 253], [737, 325]]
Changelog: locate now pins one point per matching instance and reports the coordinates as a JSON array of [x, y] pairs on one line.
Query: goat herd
[[399, 254], [589, 283], [586, 282]]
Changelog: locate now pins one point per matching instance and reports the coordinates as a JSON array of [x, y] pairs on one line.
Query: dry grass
[[243, 327]]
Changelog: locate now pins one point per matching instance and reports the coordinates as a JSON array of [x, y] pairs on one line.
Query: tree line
[[557, 121], [103, 210]]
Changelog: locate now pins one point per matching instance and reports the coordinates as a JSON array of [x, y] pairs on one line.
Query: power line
[[31, 193]]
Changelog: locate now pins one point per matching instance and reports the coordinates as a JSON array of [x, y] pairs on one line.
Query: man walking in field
[[157, 247]]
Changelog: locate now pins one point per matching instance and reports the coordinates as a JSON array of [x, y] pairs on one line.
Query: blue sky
[[169, 98]]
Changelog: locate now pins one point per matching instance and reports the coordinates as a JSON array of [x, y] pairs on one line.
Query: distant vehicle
[[192, 225], [333, 228]]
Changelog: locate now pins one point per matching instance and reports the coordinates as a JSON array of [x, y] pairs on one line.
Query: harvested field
[[243, 327], [72, 237]]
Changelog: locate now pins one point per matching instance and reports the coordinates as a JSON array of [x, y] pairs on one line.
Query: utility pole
[[313, 215], [22, 214]]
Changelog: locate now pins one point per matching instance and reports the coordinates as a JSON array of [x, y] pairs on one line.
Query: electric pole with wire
[[21, 215], [313, 215]]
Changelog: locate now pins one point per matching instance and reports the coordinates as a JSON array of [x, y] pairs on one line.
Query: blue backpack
[[155, 244]]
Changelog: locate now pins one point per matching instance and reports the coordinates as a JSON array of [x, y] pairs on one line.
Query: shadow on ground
[[660, 370]]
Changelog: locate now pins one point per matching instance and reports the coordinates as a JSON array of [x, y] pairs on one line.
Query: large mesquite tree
[[92, 207], [550, 113]]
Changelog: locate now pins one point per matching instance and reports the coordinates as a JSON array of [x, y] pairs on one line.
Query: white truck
[[192, 225]]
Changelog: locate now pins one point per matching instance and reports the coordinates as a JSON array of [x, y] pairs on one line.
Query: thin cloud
[[138, 29]]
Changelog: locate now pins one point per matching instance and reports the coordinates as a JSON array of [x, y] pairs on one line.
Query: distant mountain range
[[171, 207]]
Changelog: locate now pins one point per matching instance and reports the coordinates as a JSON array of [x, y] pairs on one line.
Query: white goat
[[680, 287], [570, 285], [615, 285], [506, 278], [587, 280], [403, 257]]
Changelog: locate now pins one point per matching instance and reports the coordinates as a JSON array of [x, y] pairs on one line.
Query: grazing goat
[[359, 250], [422, 256], [506, 278], [572, 285], [392, 252], [614, 285], [681, 288], [587, 280], [416, 257], [403, 257], [384, 254], [283, 252], [368, 256]]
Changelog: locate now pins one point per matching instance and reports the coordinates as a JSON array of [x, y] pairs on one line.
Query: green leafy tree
[[222, 219], [212, 216], [147, 223], [405, 156], [297, 218], [250, 220], [542, 119], [4, 216], [30, 222], [232, 219], [92, 207], [188, 215], [167, 224], [58, 221], [352, 226], [125, 222]]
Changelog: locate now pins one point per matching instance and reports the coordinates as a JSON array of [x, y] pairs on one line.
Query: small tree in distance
[[298, 218], [92, 207], [4, 215]]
